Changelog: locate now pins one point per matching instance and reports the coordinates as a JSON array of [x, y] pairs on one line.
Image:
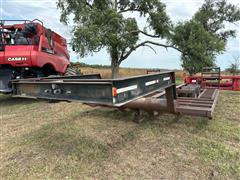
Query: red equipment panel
[[226, 82]]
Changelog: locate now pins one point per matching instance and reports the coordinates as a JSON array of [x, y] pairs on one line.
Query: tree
[[205, 36], [102, 24], [234, 67]]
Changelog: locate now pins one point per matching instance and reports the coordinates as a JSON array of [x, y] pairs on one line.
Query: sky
[[178, 10]]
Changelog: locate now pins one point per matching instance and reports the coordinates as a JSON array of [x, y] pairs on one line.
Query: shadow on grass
[[66, 139], [7, 100], [161, 121], [110, 113], [70, 139]]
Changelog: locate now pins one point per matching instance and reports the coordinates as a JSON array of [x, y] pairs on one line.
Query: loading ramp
[[202, 106]]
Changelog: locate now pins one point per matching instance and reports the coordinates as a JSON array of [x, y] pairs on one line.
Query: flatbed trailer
[[94, 90], [150, 92]]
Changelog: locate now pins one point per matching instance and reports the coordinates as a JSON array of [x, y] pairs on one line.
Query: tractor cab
[[19, 34]]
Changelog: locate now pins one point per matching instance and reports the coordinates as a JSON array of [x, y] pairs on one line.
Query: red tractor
[[28, 50]]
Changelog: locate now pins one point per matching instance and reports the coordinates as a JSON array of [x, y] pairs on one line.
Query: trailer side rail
[[112, 92]]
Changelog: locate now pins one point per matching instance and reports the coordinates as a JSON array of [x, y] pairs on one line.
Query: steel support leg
[[170, 96]]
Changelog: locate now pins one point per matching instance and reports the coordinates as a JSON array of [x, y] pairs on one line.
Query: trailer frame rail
[[111, 92]]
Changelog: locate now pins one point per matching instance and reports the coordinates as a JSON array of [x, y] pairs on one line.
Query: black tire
[[48, 70]]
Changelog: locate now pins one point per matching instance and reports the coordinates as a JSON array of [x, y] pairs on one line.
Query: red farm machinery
[[211, 77], [28, 50]]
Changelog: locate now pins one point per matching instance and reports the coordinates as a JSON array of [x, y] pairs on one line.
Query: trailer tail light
[[114, 91]]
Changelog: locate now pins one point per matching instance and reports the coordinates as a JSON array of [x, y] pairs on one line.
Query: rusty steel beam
[[192, 103], [149, 105], [195, 101]]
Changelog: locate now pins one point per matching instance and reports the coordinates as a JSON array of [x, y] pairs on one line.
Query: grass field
[[42, 140], [125, 72]]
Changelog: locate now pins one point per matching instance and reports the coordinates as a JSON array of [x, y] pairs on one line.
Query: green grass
[[179, 81], [41, 140], [223, 158]]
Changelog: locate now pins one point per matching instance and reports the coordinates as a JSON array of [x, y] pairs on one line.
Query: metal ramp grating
[[202, 106]]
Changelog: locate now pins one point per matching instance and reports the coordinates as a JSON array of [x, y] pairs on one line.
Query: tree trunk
[[114, 62], [115, 69], [115, 4], [191, 72]]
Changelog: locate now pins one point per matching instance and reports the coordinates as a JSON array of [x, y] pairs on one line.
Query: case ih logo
[[17, 59]]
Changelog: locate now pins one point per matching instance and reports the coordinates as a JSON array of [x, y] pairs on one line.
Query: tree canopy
[[205, 35], [234, 67], [102, 24]]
